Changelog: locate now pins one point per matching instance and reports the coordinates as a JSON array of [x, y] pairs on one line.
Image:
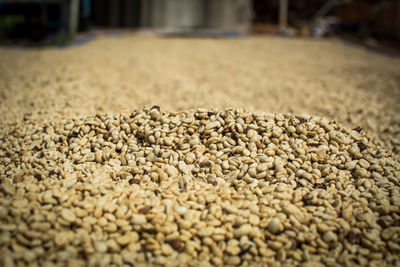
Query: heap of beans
[[201, 187]]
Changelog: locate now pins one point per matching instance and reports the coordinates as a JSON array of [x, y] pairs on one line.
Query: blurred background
[[36, 22]]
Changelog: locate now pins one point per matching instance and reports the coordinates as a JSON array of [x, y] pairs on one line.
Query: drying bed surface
[[317, 77], [196, 188]]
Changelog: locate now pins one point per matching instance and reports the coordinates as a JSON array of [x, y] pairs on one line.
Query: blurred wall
[[175, 16], [190, 15], [116, 13]]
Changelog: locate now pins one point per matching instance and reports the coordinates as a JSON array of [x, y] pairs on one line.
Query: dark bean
[[361, 146], [145, 210], [176, 244], [134, 181]]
